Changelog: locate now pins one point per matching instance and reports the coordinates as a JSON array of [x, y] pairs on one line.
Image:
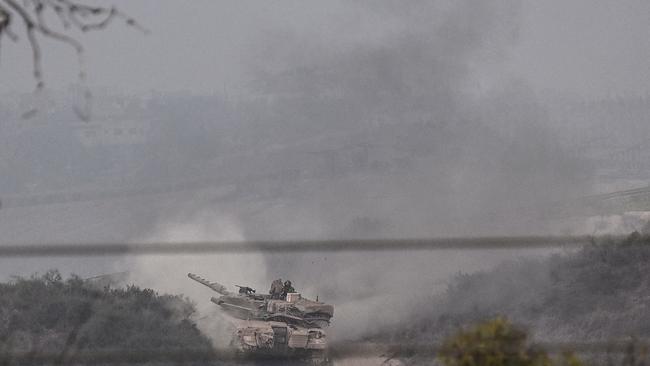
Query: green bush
[[497, 343]]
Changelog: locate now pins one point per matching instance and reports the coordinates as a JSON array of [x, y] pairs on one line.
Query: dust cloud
[[168, 274], [372, 128], [351, 119], [443, 157], [419, 149]]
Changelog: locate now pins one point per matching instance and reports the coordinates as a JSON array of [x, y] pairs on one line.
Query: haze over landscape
[[359, 119]]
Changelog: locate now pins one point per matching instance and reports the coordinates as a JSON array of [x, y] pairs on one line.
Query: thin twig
[[30, 27]]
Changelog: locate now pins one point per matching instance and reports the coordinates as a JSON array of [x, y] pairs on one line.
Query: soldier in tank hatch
[[287, 289], [276, 289]]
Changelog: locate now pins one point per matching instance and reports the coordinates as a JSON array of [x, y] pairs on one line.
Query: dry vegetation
[[61, 319]]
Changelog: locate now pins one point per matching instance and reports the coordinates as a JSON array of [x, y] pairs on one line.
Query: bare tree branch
[[70, 14], [33, 41], [5, 24]]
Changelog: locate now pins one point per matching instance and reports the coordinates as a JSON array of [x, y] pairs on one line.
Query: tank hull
[[256, 339]]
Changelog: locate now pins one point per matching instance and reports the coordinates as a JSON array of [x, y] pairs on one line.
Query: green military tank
[[273, 325]]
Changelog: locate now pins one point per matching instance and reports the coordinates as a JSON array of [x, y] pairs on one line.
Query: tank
[[290, 326]]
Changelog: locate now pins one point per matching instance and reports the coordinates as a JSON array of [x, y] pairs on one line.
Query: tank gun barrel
[[214, 286]]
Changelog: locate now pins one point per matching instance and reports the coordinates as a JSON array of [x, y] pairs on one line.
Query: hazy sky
[[590, 47]]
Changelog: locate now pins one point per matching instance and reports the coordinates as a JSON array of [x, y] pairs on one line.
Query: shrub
[[49, 314], [497, 343]]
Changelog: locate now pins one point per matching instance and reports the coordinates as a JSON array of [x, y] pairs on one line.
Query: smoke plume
[[168, 274]]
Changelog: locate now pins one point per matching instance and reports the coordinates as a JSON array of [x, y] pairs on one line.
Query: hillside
[[598, 293], [48, 316]]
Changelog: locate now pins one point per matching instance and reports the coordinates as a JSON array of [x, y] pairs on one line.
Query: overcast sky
[[589, 47]]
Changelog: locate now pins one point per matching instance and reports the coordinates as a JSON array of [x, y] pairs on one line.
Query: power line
[[294, 246]]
